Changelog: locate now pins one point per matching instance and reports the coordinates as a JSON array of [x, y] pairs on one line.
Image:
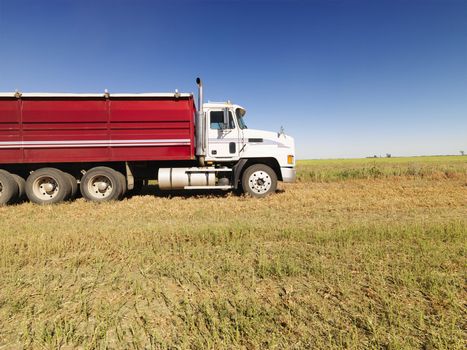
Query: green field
[[357, 254], [365, 168]]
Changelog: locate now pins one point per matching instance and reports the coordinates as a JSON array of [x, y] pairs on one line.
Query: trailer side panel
[[59, 130], [10, 131]]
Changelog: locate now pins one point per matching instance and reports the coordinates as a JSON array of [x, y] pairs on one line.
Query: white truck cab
[[229, 139], [231, 156]]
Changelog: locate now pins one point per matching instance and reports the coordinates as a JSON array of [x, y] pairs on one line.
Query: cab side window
[[217, 118]]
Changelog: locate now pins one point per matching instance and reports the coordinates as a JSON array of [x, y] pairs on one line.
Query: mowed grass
[[359, 262]]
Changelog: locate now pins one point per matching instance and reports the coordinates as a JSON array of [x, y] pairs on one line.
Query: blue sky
[[346, 78]]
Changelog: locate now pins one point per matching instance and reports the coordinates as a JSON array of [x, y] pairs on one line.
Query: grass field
[[358, 254], [365, 168]]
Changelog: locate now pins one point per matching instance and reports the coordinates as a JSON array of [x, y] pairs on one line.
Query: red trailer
[[58, 128], [106, 144]]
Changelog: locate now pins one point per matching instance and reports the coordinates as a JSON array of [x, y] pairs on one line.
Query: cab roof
[[221, 105]]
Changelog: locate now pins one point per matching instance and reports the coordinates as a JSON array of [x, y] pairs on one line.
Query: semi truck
[[53, 145]]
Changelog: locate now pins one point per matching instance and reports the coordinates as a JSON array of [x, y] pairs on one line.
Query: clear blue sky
[[346, 78]]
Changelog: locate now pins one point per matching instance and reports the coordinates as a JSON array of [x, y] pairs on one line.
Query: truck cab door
[[223, 135]]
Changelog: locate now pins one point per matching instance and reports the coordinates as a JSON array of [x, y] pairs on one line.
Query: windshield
[[240, 114]]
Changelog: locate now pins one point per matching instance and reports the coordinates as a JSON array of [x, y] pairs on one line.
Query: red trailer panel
[[59, 130], [10, 131]]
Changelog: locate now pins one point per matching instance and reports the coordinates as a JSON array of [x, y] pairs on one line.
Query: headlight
[[290, 159]]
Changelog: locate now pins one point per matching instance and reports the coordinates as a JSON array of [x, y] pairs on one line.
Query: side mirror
[[225, 121]]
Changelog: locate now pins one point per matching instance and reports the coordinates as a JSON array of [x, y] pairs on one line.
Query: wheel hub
[[102, 186], [260, 182], [45, 187]]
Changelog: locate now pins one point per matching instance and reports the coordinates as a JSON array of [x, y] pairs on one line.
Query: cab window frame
[[232, 124]]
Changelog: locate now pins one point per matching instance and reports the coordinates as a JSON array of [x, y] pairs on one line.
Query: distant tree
[[375, 156], [388, 155], [462, 153]]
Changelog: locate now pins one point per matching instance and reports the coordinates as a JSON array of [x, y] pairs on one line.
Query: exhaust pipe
[[200, 127]]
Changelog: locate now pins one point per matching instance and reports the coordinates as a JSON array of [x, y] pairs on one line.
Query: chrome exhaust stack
[[200, 126]]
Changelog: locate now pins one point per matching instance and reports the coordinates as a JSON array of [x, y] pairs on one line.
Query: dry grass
[[357, 263]]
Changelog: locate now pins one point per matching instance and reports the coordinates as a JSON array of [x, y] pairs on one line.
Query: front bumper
[[288, 174]]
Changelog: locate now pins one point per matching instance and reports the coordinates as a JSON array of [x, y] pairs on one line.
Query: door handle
[[232, 147]]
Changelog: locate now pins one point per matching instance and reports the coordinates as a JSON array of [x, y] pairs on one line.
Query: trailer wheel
[[101, 184], [73, 184], [8, 188], [123, 184], [259, 180], [21, 182], [48, 186]]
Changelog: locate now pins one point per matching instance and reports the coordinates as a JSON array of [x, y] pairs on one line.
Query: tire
[[124, 188], [259, 180], [73, 184], [21, 182], [101, 184], [48, 186], [8, 188]]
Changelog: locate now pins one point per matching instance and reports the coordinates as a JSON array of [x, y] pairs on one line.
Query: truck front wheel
[[101, 184], [259, 180]]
